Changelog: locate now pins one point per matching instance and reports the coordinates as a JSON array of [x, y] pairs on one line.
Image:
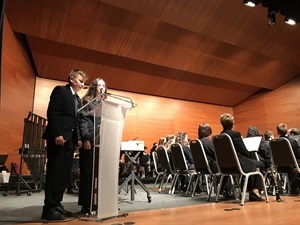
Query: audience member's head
[[294, 131], [170, 139], [162, 141], [227, 121], [253, 132], [282, 129], [268, 135], [182, 138], [204, 130]]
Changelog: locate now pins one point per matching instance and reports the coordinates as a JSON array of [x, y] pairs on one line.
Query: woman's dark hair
[[92, 91], [204, 130], [253, 132]]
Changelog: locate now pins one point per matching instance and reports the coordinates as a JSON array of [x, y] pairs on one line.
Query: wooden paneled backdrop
[[17, 94], [267, 110], [154, 117]]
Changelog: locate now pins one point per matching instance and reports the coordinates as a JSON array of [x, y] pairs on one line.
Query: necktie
[[76, 102]]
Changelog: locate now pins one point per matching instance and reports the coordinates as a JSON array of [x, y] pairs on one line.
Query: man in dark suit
[[248, 165], [62, 136], [294, 178]]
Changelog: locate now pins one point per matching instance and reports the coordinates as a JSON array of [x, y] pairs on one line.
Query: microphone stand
[[122, 98], [94, 99]]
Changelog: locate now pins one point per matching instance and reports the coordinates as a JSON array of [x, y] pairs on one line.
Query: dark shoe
[[227, 195], [255, 198], [62, 211], [85, 210], [52, 214], [73, 191], [294, 192]]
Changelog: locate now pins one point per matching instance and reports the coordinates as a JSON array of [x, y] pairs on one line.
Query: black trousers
[[73, 175], [86, 159], [59, 163]]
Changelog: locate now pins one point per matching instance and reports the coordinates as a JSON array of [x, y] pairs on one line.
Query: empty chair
[[283, 157], [166, 167], [180, 166], [157, 167], [202, 167], [228, 164]]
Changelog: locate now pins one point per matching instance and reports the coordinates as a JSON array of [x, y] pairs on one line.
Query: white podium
[[108, 136]]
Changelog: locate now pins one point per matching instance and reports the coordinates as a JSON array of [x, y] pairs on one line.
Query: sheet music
[[252, 143], [132, 146]]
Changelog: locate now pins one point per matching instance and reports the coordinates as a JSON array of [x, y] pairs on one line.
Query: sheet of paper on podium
[[252, 143]]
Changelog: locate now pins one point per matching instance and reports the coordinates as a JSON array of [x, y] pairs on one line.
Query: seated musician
[[294, 178], [152, 168], [254, 132], [182, 139], [125, 164], [144, 161], [248, 164], [264, 148]]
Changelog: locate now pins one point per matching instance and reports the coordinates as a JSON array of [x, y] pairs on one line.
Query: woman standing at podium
[[88, 124]]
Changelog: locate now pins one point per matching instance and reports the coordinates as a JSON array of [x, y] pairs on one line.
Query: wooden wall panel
[[17, 94], [154, 117], [267, 110]]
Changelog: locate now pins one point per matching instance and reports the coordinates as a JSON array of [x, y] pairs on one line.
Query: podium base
[[95, 218]]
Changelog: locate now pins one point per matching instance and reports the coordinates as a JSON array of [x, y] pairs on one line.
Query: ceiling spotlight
[[271, 18], [290, 21], [249, 3], [252, 3]]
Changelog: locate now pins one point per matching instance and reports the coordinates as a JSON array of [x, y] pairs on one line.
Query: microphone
[[133, 104]]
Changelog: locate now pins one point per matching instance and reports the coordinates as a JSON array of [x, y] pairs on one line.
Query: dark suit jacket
[[61, 114], [243, 154], [208, 148], [188, 156], [264, 150], [87, 122], [238, 143]]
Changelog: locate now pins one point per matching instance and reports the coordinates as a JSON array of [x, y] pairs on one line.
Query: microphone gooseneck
[[123, 98]]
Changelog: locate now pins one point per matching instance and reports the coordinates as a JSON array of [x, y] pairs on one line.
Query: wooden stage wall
[[154, 117]]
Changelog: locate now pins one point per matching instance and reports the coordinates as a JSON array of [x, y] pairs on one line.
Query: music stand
[[252, 144], [138, 147]]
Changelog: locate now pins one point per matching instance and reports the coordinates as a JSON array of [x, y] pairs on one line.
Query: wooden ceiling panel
[[216, 51]]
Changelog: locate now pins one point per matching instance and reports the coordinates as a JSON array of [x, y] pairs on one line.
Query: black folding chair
[[282, 155], [202, 167], [164, 161], [180, 166], [229, 164], [158, 170]]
